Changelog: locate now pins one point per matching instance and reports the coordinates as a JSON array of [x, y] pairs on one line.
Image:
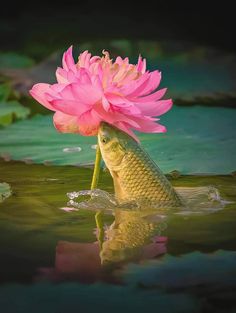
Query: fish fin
[[118, 189]]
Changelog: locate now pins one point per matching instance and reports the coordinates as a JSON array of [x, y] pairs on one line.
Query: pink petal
[[84, 59], [155, 108], [84, 76], [118, 100], [120, 104], [88, 94], [65, 123], [76, 99], [119, 60], [61, 75], [135, 87], [70, 107], [105, 104], [153, 83], [96, 82], [56, 88], [152, 97], [89, 123], [122, 126], [68, 62], [141, 66], [150, 127], [38, 92], [114, 117]]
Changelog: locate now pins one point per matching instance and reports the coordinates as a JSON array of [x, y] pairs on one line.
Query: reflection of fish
[[133, 236], [135, 175]]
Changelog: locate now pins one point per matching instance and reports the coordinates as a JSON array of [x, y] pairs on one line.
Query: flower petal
[[153, 83], [115, 117], [70, 107], [155, 108], [150, 127], [61, 75], [89, 123], [84, 59], [68, 62], [38, 92], [141, 66], [87, 94], [65, 123], [122, 126], [152, 97]]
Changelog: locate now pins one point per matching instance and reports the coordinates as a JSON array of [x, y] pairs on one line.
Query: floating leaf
[[5, 191], [5, 90], [199, 140], [10, 110], [14, 60]]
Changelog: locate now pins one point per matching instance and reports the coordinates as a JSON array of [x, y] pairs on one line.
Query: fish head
[[114, 145]]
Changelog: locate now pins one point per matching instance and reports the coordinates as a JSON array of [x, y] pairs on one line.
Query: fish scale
[[136, 177], [140, 178]]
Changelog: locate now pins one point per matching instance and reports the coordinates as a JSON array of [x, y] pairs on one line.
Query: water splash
[[200, 200], [98, 200], [196, 200]]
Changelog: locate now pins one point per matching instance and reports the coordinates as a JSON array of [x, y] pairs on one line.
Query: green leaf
[[199, 140], [5, 191], [10, 110], [5, 91], [36, 140], [14, 60]]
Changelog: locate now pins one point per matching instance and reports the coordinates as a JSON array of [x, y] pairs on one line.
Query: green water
[[47, 253]]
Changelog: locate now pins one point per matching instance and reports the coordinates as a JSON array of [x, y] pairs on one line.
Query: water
[[195, 200], [53, 260]]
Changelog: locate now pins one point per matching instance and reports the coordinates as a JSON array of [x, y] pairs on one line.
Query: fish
[[136, 176]]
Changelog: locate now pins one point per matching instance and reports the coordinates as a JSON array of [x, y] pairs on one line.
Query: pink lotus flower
[[97, 89]]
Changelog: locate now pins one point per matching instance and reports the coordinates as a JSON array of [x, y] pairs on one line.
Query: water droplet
[[68, 209], [72, 149]]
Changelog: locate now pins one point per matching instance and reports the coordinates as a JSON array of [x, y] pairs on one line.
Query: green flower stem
[[97, 167], [99, 214], [100, 228]]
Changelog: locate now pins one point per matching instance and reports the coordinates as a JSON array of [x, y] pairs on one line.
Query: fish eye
[[104, 140]]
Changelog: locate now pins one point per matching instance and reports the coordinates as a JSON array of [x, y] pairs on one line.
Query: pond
[[51, 255], [58, 257]]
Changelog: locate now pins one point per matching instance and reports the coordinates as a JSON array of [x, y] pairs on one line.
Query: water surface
[[184, 263]]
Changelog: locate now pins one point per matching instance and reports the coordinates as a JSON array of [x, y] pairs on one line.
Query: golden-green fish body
[[135, 175]]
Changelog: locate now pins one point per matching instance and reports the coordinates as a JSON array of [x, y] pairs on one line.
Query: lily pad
[[5, 191], [10, 110], [5, 91], [199, 140], [14, 60]]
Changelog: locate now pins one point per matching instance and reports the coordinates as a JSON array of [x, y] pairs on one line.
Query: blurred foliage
[[15, 60], [10, 110], [193, 74]]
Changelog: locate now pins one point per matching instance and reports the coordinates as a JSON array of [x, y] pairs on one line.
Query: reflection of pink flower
[[96, 89]]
